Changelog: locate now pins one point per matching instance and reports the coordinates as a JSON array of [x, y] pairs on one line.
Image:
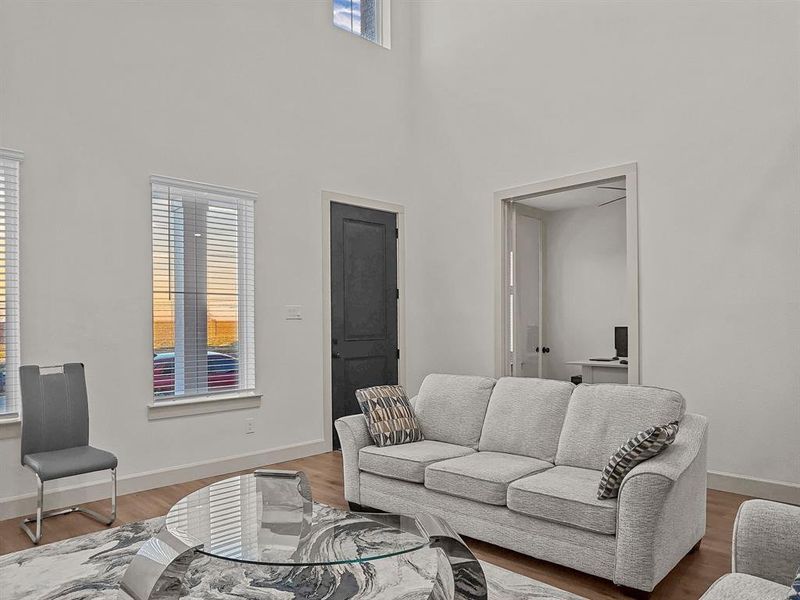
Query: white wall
[[704, 96], [266, 96], [585, 284], [271, 97]]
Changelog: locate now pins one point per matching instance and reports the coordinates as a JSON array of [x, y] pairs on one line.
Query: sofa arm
[[353, 435], [766, 540], [661, 509]]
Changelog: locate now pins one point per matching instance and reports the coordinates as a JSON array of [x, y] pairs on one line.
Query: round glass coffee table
[[268, 518]]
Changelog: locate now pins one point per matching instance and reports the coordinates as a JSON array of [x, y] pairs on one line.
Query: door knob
[[336, 355], [545, 349]]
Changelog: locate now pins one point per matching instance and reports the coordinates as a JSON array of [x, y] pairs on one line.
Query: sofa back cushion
[[602, 417], [451, 408], [525, 417]]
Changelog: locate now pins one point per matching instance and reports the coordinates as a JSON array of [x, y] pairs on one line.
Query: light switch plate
[[294, 312]]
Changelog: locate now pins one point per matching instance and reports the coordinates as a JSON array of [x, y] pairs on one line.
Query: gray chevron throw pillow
[[640, 447], [390, 418], [795, 593]]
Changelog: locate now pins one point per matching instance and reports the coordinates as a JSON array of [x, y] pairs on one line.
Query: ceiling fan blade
[[614, 200], [610, 187]]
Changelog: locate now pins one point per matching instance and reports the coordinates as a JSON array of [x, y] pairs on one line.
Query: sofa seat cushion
[[483, 476], [738, 586], [407, 461], [565, 495]]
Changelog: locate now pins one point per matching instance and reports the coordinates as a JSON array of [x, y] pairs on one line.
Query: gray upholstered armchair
[[766, 553]]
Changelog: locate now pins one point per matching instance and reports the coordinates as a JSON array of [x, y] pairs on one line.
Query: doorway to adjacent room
[[567, 304]]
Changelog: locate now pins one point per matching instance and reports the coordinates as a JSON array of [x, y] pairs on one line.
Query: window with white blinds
[[203, 296], [9, 283]]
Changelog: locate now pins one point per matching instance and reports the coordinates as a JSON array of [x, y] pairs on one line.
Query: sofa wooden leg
[[696, 547], [629, 592]]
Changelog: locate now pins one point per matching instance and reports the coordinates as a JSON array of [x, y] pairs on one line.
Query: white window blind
[[203, 296], [9, 283]]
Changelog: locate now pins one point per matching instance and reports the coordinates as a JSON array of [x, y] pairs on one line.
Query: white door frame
[[399, 210], [541, 188]]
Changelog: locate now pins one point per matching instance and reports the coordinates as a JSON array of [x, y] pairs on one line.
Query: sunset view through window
[[202, 287]]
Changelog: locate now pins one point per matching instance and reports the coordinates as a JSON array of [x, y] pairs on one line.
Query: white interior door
[[528, 301], [509, 312]]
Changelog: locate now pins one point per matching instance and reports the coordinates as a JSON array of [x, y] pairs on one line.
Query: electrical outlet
[[249, 426]]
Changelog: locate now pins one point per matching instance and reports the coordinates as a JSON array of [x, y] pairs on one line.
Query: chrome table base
[[468, 580], [158, 568], [160, 565]]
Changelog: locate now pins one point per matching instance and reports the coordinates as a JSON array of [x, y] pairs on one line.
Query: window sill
[[10, 428], [202, 405]]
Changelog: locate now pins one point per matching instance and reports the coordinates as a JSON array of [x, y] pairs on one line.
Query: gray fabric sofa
[[765, 554], [517, 462]]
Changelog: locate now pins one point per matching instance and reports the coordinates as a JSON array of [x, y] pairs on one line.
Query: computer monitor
[[621, 341]]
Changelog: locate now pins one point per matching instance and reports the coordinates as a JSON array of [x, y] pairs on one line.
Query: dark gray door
[[363, 304]]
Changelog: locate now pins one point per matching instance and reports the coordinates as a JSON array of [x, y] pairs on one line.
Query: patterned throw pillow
[[795, 594], [390, 418], [640, 447]]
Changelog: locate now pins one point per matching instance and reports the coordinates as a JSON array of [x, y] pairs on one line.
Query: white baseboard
[[16, 506], [779, 491]]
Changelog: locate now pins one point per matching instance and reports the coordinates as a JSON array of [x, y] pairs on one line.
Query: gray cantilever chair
[[55, 436]]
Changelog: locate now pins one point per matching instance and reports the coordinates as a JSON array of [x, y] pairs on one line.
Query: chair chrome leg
[[41, 514], [101, 518], [113, 495]]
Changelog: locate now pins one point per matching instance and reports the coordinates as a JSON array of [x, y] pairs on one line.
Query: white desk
[[597, 371]]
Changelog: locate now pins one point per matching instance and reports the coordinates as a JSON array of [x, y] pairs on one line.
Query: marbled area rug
[[89, 568]]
